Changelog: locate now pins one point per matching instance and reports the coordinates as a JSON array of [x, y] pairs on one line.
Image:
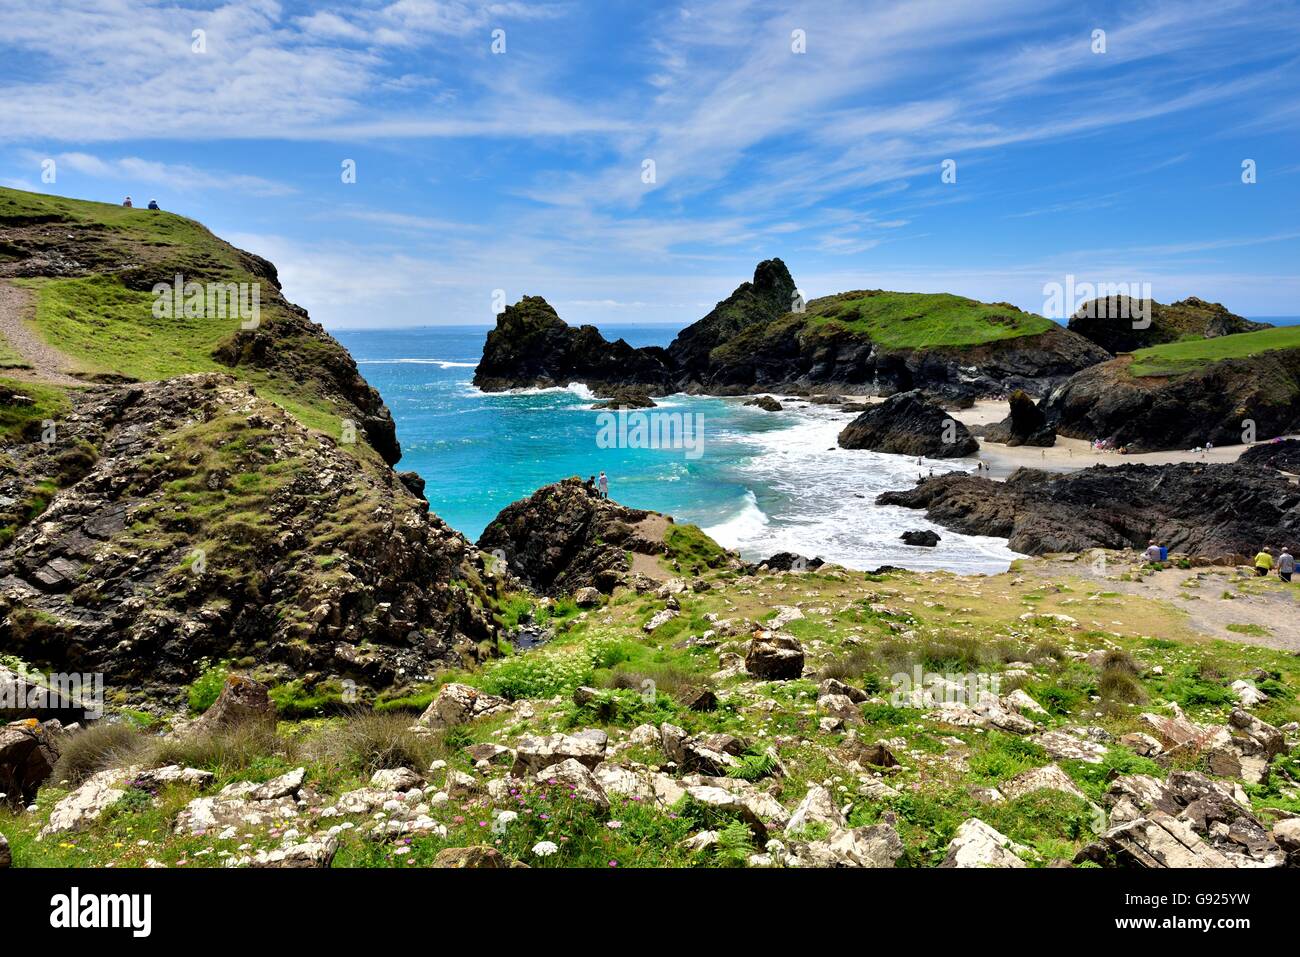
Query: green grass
[[911, 320], [692, 549], [1180, 358]]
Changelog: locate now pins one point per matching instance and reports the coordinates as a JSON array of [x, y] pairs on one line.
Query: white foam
[[440, 363]]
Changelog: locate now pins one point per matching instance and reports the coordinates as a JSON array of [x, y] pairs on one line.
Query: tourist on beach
[[1264, 561], [127, 203], [1152, 554], [1285, 565], [153, 204], [604, 485]]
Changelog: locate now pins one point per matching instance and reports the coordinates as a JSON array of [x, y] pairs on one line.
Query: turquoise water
[[758, 481]]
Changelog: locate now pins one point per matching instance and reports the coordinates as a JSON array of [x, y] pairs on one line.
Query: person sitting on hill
[[1152, 554], [1285, 565], [1264, 561], [127, 203], [153, 204]]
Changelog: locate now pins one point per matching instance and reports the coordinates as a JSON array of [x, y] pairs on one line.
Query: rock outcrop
[[763, 338], [1120, 324], [1218, 512], [198, 520], [1025, 424], [28, 752], [908, 424], [1283, 456], [532, 346], [1255, 397], [565, 536]]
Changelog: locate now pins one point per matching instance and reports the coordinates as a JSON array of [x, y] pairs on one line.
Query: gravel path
[[17, 307]]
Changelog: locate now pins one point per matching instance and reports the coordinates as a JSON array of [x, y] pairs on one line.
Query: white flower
[[545, 848], [507, 817], [613, 825]]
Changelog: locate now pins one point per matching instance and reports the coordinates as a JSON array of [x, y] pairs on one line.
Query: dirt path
[[1265, 611], [49, 365]]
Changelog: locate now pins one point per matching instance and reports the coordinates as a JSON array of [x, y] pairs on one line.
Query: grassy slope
[[909, 320], [1179, 358], [858, 627], [107, 328]]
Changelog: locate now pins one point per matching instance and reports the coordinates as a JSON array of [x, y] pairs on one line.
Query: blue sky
[[523, 170]]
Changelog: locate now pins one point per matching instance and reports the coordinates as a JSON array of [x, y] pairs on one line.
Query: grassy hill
[[1180, 358], [913, 320], [92, 267]]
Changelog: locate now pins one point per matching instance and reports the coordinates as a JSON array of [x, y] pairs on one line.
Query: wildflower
[[613, 825], [545, 848], [613, 863]]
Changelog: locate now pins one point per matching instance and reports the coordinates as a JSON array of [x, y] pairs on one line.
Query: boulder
[[1050, 778], [774, 657], [1155, 841], [28, 753], [317, 852], [459, 704], [81, 808], [1063, 745], [532, 754], [923, 538], [818, 805], [1026, 424], [586, 597], [909, 424], [579, 781], [242, 701], [396, 779], [978, 845], [876, 846], [765, 402], [476, 856]]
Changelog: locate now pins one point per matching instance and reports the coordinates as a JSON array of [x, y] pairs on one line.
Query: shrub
[[231, 749], [96, 748], [206, 688], [366, 742]]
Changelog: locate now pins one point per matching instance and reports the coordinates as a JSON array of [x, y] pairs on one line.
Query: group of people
[[153, 203], [1284, 563], [1264, 561], [599, 485]]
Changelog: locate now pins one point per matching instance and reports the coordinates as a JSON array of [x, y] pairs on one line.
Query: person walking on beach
[[1264, 561], [1285, 565], [604, 485]]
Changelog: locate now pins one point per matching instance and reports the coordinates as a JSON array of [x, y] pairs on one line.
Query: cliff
[[186, 489]]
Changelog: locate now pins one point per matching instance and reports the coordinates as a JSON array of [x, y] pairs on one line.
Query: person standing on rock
[[604, 485], [1285, 565], [1264, 561]]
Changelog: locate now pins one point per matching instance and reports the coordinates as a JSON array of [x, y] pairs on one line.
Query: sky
[[632, 162]]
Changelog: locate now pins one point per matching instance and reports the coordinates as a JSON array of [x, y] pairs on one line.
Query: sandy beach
[[1069, 455]]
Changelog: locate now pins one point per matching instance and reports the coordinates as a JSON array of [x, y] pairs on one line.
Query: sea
[[759, 482]]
